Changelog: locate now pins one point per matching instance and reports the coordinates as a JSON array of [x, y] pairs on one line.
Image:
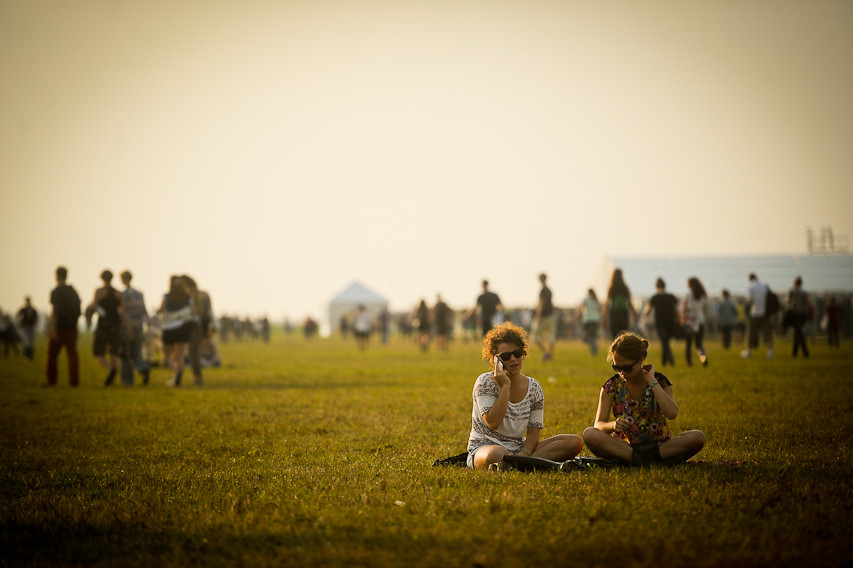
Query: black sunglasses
[[519, 353], [626, 368]]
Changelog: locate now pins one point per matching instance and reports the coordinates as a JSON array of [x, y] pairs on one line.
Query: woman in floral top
[[641, 401]]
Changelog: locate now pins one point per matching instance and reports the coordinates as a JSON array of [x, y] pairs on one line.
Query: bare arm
[[663, 396], [495, 415], [602, 415], [531, 440]]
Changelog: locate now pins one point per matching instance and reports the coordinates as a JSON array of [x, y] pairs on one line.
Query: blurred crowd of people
[[747, 316], [130, 341]]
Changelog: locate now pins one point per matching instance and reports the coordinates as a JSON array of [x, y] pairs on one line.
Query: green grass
[[315, 454]]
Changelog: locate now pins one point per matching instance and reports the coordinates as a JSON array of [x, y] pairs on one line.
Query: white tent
[[354, 295]]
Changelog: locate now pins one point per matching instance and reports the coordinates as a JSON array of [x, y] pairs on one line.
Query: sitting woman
[[641, 401], [508, 405]]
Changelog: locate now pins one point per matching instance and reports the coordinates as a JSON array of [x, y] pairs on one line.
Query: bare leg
[[561, 447], [606, 446], [685, 445], [488, 455]]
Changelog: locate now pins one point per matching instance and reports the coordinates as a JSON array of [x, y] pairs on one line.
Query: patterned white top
[[520, 416]]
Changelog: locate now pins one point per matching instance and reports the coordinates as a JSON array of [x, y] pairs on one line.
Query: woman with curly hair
[[641, 401], [509, 407]]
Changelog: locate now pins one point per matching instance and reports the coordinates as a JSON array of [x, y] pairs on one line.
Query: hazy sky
[[278, 150]]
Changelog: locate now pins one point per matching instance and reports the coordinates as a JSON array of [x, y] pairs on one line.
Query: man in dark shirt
[[665, 306], [545, 321], [63, 329], [28, 318], [112, 321], [489, 304]]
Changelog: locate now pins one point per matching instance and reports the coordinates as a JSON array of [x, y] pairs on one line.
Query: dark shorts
[[181, 334], [108, 339]]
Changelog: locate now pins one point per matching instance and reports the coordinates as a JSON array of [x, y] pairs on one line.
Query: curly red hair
[[503, 333]]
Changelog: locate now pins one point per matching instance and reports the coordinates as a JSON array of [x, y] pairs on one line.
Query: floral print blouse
[[648, 424]]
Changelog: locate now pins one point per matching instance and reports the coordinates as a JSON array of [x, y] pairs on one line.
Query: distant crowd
[[756, 314], [129, 341]]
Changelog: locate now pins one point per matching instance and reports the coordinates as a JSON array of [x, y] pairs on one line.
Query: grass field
[[303, 453]]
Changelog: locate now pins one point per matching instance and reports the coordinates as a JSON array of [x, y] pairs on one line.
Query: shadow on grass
[[298, 544]]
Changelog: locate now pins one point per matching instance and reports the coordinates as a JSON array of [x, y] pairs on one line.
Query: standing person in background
[[727, 318], [545, 321], [362, 326], [28, 319], [112, 322], [801, 311], [63, 329], [833, 322], [384, 324], [617, 310], [443, 316], [589, 313], [489, 304], [137, 318], [422, 322], [694, 314], [203, 326], [8, 334], [759, 321], [178, 321], [665, 306]]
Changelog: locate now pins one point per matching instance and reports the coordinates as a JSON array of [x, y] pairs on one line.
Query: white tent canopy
[[354, 295], [821, 273]]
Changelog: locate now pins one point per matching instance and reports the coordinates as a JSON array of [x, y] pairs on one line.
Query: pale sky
[[277, 151]]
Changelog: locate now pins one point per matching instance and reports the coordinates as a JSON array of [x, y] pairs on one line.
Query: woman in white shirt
[[509, 408]]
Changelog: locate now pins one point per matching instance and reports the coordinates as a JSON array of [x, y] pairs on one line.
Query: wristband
[[654, 384], [525, 450]]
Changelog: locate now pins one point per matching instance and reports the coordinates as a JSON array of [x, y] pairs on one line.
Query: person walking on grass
[[589, 314], [362, 326], [833, 322], [545, 321], [641, 401], [137, 317], [694, 312], [489, 305], [665, 306], [801, 310], [618, 311], [62, 332], [28, 319], [760, 320], [108, 303], [178, 322], [508, 411], [727, 318]]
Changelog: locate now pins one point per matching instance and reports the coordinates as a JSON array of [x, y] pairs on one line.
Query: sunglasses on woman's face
[[518, 353], [625, 368]]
